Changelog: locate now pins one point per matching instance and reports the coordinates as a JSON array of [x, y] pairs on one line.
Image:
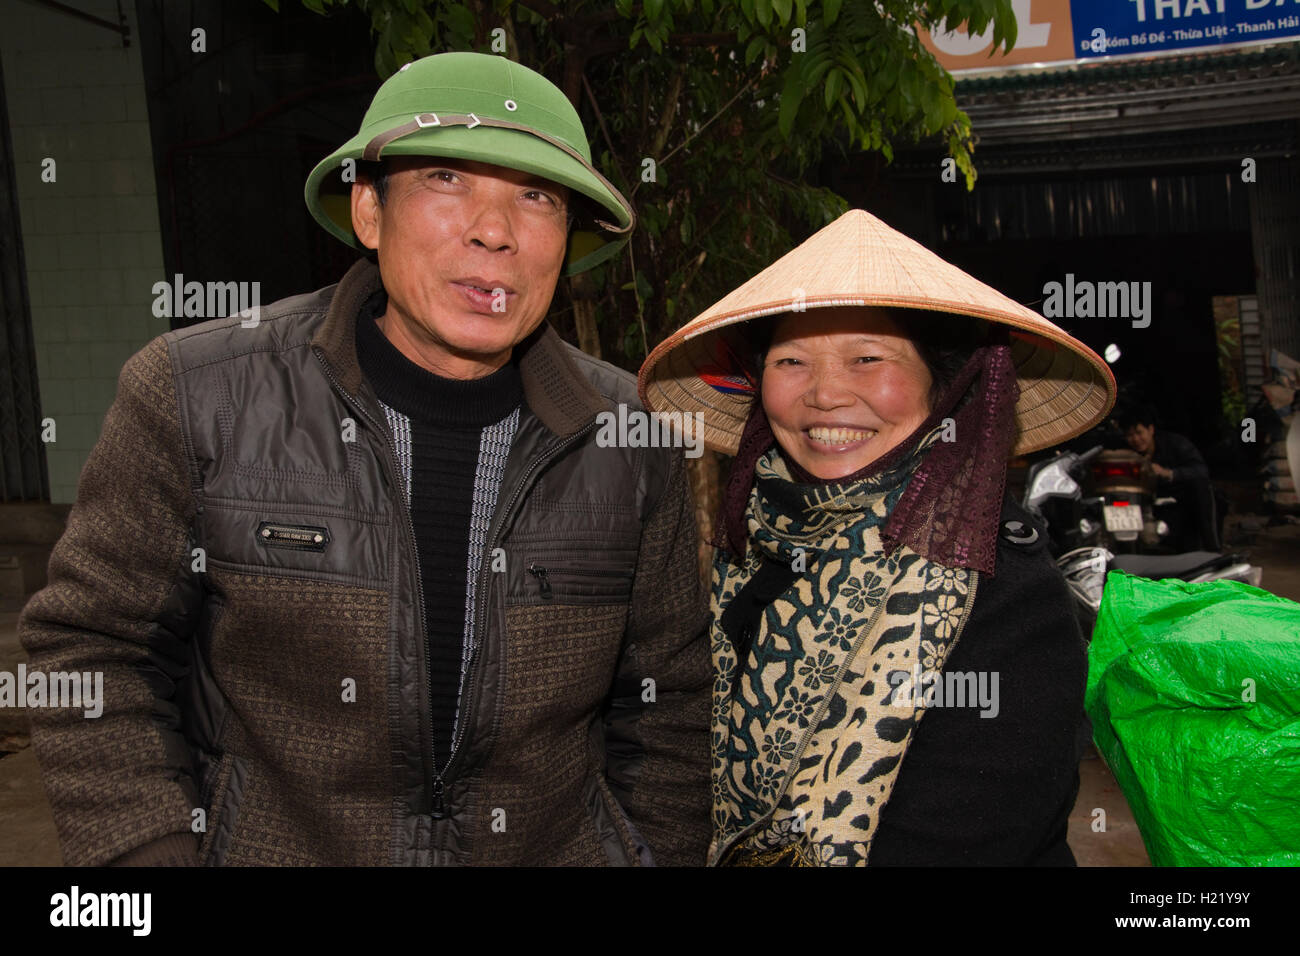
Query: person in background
[[1181, 473]]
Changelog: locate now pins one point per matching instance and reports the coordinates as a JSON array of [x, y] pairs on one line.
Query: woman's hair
[[944, 341]]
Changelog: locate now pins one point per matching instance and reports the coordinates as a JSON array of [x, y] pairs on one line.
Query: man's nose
[[490, 226]]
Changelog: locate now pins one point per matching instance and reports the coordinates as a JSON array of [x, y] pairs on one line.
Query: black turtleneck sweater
[[450, 436]]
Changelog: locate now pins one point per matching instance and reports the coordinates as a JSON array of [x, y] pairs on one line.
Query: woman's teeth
[[838, 436]]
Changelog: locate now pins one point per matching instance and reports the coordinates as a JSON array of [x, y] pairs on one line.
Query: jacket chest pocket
[[288, 540], [562, 578], [585, 568]]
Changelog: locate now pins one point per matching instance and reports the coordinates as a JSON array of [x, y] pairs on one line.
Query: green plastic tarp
[[1194, 696]]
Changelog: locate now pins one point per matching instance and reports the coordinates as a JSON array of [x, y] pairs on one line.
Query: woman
[[898, 675]]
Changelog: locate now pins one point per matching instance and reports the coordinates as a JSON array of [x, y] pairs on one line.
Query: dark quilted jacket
[[265, 701]]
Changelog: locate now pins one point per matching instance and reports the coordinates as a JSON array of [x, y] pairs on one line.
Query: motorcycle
[[1085, 566], [1119, 514]]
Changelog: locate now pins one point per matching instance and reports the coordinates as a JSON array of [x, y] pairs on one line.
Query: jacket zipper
[[544, 581], [426, 719], [480, 606]]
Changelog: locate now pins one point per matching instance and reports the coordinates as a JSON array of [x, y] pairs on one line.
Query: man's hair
[[1133, 415], [944, 342], [377, 172]]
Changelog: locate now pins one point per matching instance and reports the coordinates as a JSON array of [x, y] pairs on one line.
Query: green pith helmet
[[477, 107]]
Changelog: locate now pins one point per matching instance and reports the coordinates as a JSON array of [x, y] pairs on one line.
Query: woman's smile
[[841, 387]]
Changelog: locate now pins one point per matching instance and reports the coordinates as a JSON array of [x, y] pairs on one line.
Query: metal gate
[[23, 474]]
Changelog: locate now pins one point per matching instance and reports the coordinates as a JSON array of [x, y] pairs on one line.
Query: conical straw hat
[[1065, 387]]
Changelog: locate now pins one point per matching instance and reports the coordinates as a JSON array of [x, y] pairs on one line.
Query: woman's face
[[841, 387]]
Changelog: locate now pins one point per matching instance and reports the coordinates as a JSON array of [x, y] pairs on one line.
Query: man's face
[[1141, 438], [469, 253]]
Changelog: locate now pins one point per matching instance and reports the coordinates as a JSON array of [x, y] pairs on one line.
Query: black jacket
[[980, 791], [1180, 456]]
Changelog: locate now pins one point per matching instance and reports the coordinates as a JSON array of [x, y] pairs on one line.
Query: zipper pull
[[540, 573], [439, 807]]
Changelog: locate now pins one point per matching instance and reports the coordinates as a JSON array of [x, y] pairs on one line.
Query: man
[[1182, 474], [363, 587]]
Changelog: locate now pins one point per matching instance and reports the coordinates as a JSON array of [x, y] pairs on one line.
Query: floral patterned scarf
[[811, 726]]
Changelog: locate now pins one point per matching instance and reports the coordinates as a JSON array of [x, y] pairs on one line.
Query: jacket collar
[[555, 389]]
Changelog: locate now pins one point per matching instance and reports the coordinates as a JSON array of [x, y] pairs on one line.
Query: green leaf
[[834, 81], [756, 48], [791, 96], [643, 288], [782, 8], [315, 6], [653, 10], [817, 68], [273, 4], [763, 11], [460, 20], [831, 10], [856, 80]]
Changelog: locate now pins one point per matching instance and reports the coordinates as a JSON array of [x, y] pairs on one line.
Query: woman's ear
[[367, 213]]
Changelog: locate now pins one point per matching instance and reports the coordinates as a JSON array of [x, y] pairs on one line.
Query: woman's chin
[[836, 462]]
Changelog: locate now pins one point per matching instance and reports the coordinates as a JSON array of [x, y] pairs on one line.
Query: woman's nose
[[828, 389]]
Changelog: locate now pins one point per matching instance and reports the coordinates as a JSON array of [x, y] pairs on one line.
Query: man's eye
[[537, 194], [442, 175]]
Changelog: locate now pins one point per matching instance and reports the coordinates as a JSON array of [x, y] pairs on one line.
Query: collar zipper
[[481, 605]]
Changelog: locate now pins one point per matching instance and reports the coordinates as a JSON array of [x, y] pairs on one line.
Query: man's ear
[[367, 214]]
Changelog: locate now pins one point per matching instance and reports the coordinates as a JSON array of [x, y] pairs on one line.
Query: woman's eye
[[786, 361], [865, 359]]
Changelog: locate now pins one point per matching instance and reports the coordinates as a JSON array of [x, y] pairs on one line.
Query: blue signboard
[[1126, 27]]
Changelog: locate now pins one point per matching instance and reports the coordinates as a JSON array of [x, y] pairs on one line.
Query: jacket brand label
[[295, 537]]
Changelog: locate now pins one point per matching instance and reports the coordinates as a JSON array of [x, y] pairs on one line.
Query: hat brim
[[1065, 387], [328, 195]]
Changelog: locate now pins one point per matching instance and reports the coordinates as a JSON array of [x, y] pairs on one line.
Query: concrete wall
[[91, 238]]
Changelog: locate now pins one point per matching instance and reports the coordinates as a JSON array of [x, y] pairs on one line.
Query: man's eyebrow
[[539, 182]]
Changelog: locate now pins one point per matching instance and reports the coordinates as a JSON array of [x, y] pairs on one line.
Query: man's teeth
[[838, 436]]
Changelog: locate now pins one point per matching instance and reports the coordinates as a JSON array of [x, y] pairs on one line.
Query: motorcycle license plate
[[1122, 519]]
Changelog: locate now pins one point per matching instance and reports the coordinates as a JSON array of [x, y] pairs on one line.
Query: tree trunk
[[582, 294]]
